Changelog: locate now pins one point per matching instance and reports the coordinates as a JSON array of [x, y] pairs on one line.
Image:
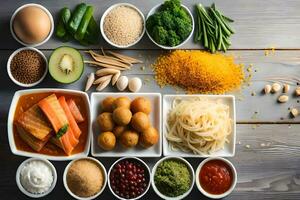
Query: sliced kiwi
[[66, 65]]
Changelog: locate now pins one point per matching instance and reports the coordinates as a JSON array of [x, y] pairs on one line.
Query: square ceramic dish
[[155, 119], [229, 148], [10, 120]]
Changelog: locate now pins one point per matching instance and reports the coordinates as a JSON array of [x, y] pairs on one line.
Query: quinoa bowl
[[13, 77], [134, 31]]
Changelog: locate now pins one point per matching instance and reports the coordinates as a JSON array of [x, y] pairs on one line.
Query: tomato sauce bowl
[[216, 177]]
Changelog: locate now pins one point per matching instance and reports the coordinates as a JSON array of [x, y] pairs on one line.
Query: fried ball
[[149, 137], [129, 138], [107, 104], [140, 121], [118, 130], [121, 102], [105, 121], [141, 104], [107, 140], [122, 116]]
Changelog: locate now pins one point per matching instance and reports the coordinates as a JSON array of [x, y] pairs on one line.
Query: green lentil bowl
[[172, 178]]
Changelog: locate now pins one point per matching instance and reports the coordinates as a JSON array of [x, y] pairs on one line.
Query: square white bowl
[[229, 148], [10, 125], [119, 151]]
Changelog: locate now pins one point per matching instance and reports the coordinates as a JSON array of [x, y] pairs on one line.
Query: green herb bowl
[[192, 178], [154, 10]]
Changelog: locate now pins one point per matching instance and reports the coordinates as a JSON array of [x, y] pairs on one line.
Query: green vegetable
[[171, 25], [79, 25], [84, 23], [64, 17], [212, 28], [62, 131], [76, 18], [92, 32], [172, 178]]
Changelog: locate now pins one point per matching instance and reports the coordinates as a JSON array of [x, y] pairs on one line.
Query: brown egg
[[32, 25], [105, 121], [140, 121], [129, 138], [122, 116], [107, 140], [149, 137], [121, 102], [118, 130], [141, 104], [107, 104]]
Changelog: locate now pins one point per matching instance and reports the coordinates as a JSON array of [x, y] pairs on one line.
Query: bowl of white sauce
[[36, 177]]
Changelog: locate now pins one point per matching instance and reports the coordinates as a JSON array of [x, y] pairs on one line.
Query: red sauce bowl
[[216, 177]]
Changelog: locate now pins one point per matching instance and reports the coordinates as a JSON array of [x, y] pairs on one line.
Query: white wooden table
[[268, 143]]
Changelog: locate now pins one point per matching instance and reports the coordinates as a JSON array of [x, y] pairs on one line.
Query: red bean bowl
[[129, 178]]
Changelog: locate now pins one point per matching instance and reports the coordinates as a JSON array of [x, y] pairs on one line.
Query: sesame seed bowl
[[29, 69], [109, 37]]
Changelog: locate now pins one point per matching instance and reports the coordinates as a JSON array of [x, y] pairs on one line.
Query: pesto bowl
[[191, 172]]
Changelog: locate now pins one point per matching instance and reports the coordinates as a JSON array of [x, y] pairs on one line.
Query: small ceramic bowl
[[102, 23], [192, 177], [154, 10], [137, 160], [20, 186], [104, 178], [9, 70], [51, 22], [214, 196]]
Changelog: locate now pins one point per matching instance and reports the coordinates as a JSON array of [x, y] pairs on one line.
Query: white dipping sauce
[[36, 177]]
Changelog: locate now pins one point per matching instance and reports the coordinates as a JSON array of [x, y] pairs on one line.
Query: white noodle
[[198, 125]]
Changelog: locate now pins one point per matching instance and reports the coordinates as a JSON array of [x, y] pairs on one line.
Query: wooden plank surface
[[267, 155], [258, 24]]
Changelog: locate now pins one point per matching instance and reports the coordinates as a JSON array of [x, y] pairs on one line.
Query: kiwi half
[[66, 65]]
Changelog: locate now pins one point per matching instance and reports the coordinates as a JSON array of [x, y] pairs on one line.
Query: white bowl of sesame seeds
[[122, 25]]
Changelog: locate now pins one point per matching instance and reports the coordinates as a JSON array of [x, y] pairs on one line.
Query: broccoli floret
[[182, 14], [167, 20], [160, 35], [171, 5], [153, 20], [183, 28], [173, 38]]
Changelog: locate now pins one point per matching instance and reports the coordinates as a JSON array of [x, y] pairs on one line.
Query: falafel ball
[[141, 104], [149, 137], [118, 130], [122, 116], [107, 140], [121, 102], [107, 104], [140, 121], [129, 138], [105, 121]]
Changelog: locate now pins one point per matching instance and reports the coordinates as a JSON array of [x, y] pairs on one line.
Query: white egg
[[122, 83], [135, 84]]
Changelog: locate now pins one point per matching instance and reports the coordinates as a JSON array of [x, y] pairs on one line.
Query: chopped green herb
[[62, 131]]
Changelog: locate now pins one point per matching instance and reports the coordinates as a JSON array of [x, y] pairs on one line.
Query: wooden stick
[[126, 58], [104, 65]]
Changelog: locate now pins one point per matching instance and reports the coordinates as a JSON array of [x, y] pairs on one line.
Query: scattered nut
[[297, 91], [276, 87], [283, 98], [286, 88], [89, 83], [294, 112], [267, 89], [122, 83]]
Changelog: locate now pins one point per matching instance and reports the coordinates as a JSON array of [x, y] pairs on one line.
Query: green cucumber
[[92, 33], [76, 18], [64, 17], [84, 23]]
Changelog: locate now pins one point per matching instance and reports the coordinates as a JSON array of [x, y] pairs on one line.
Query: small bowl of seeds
[[122, 25], [27, 66]]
